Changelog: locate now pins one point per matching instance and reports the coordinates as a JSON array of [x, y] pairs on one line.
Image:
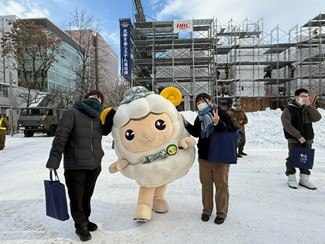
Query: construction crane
[[139, 15]]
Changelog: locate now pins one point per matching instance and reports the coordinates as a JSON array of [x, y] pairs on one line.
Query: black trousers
[[81, 185]]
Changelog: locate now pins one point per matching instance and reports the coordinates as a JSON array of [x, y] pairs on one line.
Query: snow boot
[[292, 183], [304, 181], [83, 232]]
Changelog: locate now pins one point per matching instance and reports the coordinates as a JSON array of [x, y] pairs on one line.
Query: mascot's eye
[[160, 124], [129, 135]]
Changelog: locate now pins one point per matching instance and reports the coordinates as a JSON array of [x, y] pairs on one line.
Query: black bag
[[55, 198], [223, 147], [302, 157]]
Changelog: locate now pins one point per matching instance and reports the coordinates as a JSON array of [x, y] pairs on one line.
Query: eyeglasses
[[304, 96]]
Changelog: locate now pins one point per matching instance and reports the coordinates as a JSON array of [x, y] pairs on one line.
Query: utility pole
[[3, 57], [12, 130]]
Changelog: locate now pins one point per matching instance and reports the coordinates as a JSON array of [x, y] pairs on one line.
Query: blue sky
[[285, 13]]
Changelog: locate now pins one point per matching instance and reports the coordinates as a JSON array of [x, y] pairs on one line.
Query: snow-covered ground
[[263, 209]]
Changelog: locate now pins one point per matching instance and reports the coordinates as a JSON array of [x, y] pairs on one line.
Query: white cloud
[[112, 38], [23, 9], [286, 14]]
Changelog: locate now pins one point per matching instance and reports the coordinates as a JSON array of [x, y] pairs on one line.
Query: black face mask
[[94, 99]]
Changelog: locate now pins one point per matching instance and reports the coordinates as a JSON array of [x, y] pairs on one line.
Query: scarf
[[91, 107], [207, 126]]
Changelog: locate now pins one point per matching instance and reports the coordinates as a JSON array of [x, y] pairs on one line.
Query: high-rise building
[[102, 58], [60, 75]]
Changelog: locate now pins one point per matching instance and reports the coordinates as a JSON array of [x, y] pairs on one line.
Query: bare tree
[[83, 28], [35, 50], [114, 92]]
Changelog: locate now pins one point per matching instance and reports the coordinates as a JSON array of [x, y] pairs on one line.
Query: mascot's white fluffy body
[[152, 145]]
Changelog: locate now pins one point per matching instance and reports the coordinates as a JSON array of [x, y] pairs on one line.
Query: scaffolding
[[232, 61]]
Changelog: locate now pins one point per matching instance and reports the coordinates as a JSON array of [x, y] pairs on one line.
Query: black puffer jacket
[[78, 137]]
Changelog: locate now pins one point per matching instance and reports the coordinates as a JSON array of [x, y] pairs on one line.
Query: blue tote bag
[[55, 198], [223, 147], [302, 157]]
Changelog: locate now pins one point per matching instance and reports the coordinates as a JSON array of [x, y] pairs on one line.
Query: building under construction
[[229, 61]]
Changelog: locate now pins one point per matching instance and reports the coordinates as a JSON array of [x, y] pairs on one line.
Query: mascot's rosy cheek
[[152, 146]]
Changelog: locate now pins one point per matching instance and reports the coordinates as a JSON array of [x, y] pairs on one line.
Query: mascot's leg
[[160, 204], [143, 211]]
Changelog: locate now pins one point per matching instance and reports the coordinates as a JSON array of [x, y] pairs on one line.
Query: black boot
[[219, 220], [205, 217], [82, 231], [92, 226]]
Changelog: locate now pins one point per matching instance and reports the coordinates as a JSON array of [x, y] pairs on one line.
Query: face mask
[[301, 101], [202, 106]]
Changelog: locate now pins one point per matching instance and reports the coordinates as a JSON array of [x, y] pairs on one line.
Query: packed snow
[[263, 209]]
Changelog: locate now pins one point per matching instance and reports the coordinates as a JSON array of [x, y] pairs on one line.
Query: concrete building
[[60, 74], [103, 60]]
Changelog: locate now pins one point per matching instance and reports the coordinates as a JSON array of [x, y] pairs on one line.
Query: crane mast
[[139, 15]]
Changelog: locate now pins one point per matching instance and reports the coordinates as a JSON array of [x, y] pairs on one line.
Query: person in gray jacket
[[297, 119], [78, 138]]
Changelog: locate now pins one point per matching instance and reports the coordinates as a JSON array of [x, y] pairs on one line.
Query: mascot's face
[[141, 135]]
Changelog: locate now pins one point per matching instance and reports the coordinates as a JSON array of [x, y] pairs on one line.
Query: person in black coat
[[78, 137], [211, 118]]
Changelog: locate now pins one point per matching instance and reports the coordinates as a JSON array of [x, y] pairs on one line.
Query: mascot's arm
[[106, 118], [118, 165], [186, 142]]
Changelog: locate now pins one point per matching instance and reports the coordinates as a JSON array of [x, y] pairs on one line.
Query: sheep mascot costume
[[152, 145]]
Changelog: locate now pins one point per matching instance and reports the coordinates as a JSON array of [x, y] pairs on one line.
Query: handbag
[[55, 198], [223, 147], [302, 157]]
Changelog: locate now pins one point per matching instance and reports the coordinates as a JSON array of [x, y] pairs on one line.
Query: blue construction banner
[[125, 35]]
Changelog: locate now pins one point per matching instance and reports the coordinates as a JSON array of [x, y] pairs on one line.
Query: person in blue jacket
[[211, 117]]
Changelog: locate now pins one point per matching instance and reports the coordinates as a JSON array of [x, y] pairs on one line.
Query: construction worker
[[240, 119], [292, 68], [268, 72], [227, 69], [4, 129]]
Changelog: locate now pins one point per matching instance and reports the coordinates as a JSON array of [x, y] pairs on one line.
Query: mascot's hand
[[186, 142], [118, 165]]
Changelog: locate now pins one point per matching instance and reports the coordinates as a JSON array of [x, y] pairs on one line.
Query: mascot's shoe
[[160, 205], [142, 213], [83, 232], [304, 181]]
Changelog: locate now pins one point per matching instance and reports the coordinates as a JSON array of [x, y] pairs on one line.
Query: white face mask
[[301, 101], [202, 106]]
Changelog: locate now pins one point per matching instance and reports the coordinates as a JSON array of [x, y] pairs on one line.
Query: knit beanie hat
[[134, 93]]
